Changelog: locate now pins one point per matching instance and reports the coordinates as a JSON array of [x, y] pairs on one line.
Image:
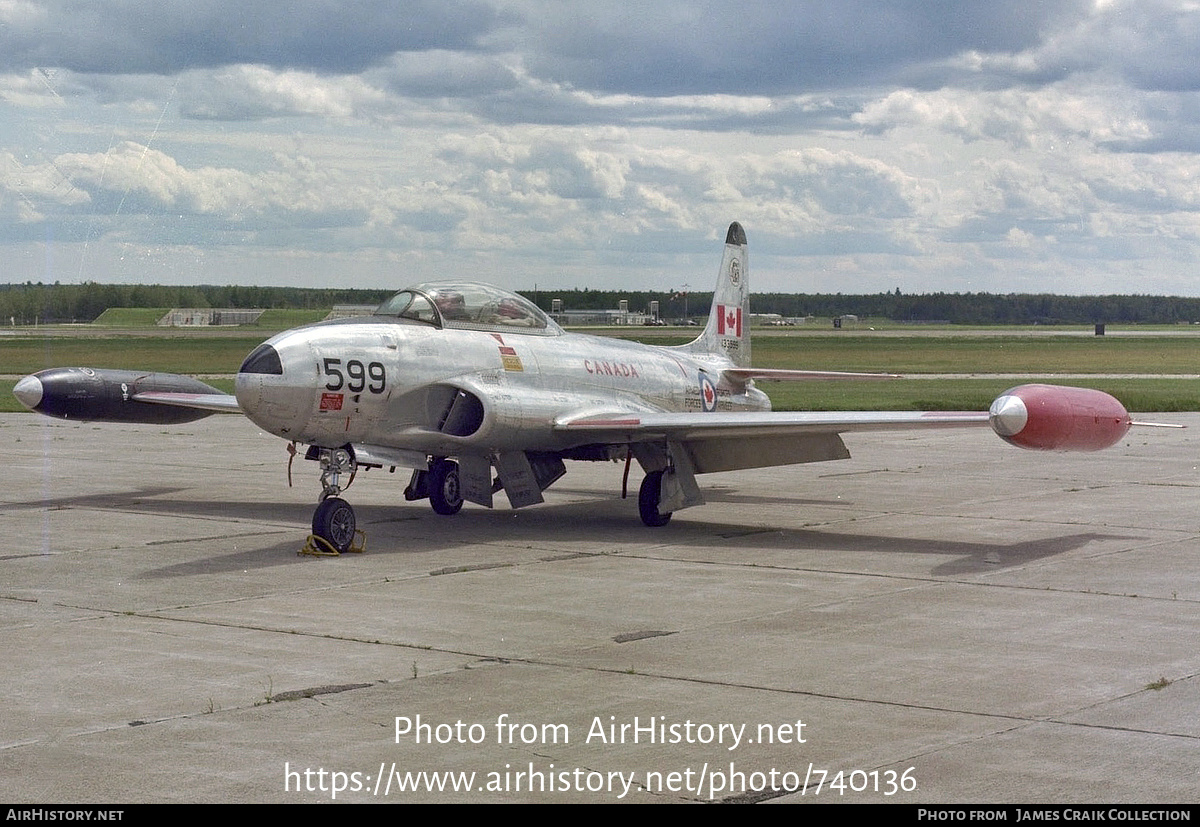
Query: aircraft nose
[[28, 391]]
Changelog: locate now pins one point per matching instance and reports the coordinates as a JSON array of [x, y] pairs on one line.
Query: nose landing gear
[[334, 530], [333, 526]]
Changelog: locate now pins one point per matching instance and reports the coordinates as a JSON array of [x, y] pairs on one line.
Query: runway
[[941, 619]]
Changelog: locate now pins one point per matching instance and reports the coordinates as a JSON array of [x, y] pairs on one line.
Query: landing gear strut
[[333, 522]]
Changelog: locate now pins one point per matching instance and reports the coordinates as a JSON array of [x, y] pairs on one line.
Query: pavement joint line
[[1056, 718]]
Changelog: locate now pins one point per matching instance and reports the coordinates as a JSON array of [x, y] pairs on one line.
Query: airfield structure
[[208, 316]]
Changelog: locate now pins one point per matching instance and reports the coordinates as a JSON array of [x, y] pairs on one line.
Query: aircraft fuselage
[[402, 385]]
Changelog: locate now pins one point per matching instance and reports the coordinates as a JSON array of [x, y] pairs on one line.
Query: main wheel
[[445, 493], [334, 523], [649, 496]]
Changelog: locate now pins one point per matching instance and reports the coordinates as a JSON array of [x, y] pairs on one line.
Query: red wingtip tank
[[1057, 418]]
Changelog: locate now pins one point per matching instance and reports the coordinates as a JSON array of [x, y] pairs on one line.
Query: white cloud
[[251, 92], [939, 146]]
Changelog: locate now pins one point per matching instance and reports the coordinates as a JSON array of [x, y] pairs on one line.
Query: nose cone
[[278, 401], [1008, 415], [28, 391], [262, 362]]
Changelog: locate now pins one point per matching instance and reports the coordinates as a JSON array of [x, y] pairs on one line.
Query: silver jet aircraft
[[478, 391]]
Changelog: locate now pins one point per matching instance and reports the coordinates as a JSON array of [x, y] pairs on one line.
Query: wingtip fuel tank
[[1058, 418], [103, 395]]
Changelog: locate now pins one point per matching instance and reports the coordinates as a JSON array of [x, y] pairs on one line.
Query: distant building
[[614, 317], [208, 316], [621, 316]]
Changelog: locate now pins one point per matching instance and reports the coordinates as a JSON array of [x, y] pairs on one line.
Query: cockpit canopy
[[470, 306]]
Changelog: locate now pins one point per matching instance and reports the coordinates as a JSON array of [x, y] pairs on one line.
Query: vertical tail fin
[[728, 330]]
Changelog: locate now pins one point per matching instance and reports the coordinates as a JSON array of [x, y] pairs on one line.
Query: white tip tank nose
[[1008, 415], [28, 391]]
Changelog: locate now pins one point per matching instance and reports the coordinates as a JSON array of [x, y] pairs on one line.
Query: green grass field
[[961, 352], [991, 354], [968, 351], [284, 319], [1144, 395], [171, 352]]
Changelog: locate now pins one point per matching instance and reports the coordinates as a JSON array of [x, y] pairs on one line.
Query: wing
[[1038, 417], [731, 441], [214, 402]]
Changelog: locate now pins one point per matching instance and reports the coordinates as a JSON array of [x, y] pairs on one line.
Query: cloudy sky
[[929, 145]]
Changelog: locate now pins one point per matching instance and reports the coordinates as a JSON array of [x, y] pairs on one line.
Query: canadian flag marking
[[729, 320]]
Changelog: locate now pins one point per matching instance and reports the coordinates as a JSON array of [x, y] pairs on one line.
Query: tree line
[[952, 308], [990, 308], [52, 303]]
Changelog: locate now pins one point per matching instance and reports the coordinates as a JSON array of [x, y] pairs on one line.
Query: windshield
[[468, 305], [409, 305]]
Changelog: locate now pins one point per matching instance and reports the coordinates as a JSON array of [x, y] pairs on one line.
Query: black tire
[[334, 523], [649, 496], [445, 492]]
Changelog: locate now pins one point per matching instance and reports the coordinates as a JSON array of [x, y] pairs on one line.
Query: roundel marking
[[708, 394]]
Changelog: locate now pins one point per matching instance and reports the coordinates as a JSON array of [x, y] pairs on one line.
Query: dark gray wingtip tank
[[101, 395]]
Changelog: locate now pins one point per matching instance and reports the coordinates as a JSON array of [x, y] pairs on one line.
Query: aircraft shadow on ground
[[410, 528], [156, 500]]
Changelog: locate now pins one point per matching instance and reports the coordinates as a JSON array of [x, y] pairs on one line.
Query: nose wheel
[[334, 528], [334, 523]]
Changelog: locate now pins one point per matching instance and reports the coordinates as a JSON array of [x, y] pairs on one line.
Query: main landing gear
[[445, 492], [649, 499], [440, 483], [669, 484]]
